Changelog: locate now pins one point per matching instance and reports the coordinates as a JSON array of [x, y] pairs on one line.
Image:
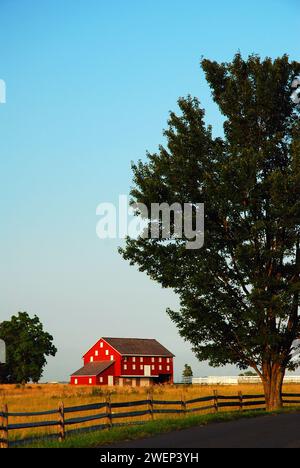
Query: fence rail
[[182, 407], [230, 380]]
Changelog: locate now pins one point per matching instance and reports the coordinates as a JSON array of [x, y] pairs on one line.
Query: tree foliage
[[27, 345], [248, 374], [240, 293], [187, 374]]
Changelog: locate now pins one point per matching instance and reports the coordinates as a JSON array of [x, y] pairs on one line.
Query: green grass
[[115, 435]]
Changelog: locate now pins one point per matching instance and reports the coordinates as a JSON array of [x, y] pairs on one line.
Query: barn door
[[147, 372], [110, 380]]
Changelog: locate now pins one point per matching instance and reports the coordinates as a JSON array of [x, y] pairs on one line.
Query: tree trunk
[[273, 381]]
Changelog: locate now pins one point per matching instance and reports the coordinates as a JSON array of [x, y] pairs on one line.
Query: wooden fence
[[109, 416]]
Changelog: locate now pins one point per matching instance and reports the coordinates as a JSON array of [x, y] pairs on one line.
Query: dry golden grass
[[34, 398]]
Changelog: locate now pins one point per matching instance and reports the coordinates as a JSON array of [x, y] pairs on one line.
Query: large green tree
[[240, 293], [27, 345]]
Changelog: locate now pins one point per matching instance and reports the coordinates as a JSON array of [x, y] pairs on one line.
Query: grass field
[[33, 398]]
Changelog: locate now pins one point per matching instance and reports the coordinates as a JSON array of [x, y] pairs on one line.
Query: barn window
[[168, 368], [101, 345], [96, 353], [107, 352], [101, 380], [133, 359], [112, 357], [141, 359], [168, 360], [160, 367], [141, 367], [153, 368], [160, 359], [153, 359], [76, 381], [133, 367], [125, 366], [91, 359], [90, 381]]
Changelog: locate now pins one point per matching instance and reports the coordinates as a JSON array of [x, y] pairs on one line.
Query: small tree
[[248, 374], [240, 293], [27, 345], [187, 374]]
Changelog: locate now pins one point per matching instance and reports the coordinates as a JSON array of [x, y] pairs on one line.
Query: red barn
[[125, 361]]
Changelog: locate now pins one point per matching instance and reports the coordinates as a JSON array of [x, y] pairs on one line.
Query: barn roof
[[138, 347], [94, 368]]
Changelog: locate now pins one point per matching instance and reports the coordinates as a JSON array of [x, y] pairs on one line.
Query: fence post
[[61, 422], [183, 404], [216, 401], [150, 405], [1, 430], [108, 411], [241, 400], [4, 429]]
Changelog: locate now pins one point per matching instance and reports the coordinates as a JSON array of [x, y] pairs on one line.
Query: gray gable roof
[[94, 368], [138, 347]]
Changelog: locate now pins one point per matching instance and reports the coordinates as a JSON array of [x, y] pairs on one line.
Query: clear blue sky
[[89, 87]]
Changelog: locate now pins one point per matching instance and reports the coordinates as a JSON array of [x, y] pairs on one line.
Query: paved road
[[278, 431]]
